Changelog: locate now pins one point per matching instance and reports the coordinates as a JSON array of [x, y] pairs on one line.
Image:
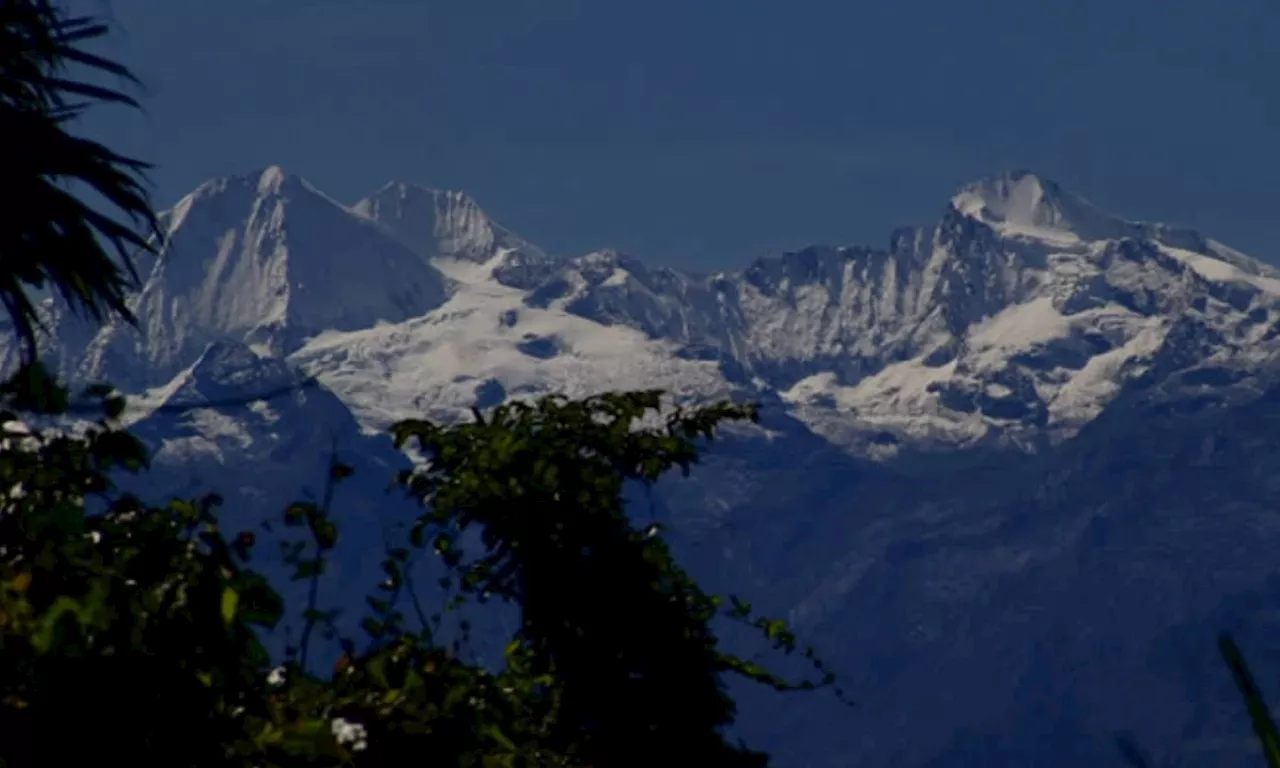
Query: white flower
[[95, 536], [350, 733], [276, 677]]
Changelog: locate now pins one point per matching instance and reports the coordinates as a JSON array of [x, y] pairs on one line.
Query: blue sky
[[703, 133]]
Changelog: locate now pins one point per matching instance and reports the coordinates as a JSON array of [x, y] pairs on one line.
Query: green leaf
[[493, 732], [230, 602], [455, 696], [326, 533], [65, 613], [299, 513], [374, 628]]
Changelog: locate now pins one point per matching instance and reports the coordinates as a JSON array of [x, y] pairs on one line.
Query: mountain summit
[[1020, 202], [435, 222], [266, 259]]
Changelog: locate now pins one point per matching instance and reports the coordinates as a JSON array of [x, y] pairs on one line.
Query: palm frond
[[49, 236]]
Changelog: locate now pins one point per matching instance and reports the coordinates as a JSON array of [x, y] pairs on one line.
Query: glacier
[[1014, 472]]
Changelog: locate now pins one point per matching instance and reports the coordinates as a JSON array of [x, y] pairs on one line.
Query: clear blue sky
[[707, 132]]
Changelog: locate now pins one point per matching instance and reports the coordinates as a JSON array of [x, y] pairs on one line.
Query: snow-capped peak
[[1024, 204], [262, 183], [1021, 202], [251, 188], [438, 223], [271, 179], [266, 259]]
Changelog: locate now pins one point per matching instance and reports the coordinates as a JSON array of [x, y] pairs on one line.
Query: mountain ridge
[[1008, 319], [1009, 479]]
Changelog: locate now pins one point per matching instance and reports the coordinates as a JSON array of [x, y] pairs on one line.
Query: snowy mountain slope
[[1046, 365], [486, 344], [267, 260], [262, 435], [1012, 609], [1000, 323], [1020, 203], [989, 606], [61, 336], [446, 225], [1012, 321], [438, 223], [1025, 612], [269, 424]]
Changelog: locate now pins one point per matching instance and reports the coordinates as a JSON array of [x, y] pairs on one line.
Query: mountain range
[[1015, 470]]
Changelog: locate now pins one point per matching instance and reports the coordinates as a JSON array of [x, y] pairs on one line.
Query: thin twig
[[313, 590]]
